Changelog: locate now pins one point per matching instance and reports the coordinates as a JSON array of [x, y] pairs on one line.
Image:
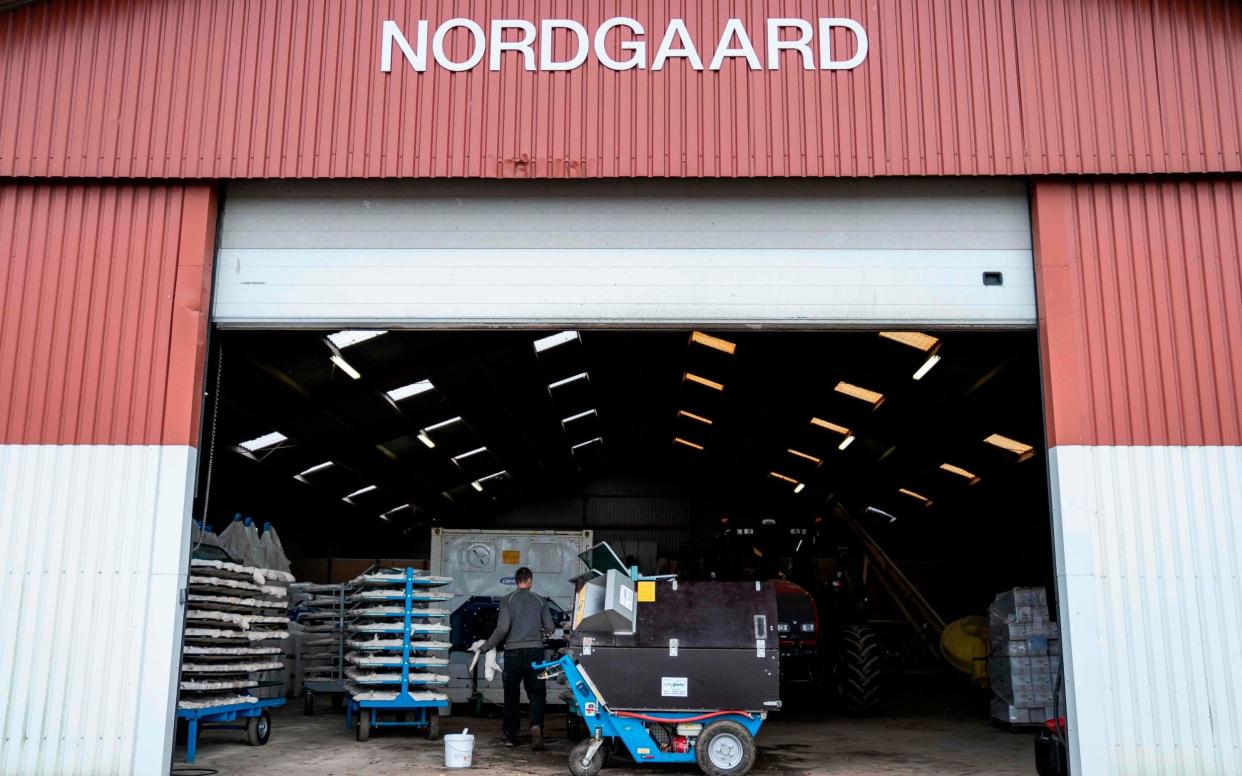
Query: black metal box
[[699, 646]]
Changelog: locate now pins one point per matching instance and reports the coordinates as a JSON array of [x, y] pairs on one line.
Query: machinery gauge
[[480, 557]]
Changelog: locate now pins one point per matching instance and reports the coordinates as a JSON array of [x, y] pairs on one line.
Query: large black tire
[[258, 729], [308, 704], [364, 725], [725, 749], [858, 670], [593, 766], [182, 735], [433, 725]]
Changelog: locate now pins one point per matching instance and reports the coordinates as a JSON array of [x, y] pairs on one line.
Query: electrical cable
[[211, 450], [710, 715], [192, 770]]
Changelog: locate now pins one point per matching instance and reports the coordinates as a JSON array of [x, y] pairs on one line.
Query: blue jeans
[[517, 673]]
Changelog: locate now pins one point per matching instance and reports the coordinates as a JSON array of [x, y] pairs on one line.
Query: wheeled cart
[[257, 723], [721, 743], [396, 646]]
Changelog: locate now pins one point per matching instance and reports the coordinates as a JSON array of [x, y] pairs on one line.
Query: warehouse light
[[413, 389], [395, 510], [716, 343], [688, 443], [344, 339], [916, 496], [422, 437], [442, 424], [549, 342], [704, 381], [267, 440], [692, 416], [849, 440], [580, 445], [915, 339], [579, 416], [881, 513], [1020, 449], [959, 471], [568, 380], [345, 367], [806, 456], [457, 459], [301, 476], [830, 426], [801, 486], [866, 394], [478, 484], [359, 492], [783, 478], [926, 367]]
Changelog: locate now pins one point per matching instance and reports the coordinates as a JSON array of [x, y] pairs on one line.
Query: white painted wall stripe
[[93, 549], [1149, 569]]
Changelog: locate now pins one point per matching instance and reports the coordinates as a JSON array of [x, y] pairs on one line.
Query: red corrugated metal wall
[[292, 88], [104, 293], [1140, 296]]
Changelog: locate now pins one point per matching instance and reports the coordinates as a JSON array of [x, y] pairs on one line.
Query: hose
[[709, 715]]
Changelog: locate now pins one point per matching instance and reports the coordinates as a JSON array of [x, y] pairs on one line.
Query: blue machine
[[410, 711], [258, 725], [722, 743]]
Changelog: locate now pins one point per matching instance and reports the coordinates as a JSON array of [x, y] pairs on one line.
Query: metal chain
[[211, 446]]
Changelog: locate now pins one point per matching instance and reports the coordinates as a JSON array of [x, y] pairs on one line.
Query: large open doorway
[[815, 457]]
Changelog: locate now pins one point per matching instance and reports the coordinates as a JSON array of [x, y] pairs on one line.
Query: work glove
[[477, 645]]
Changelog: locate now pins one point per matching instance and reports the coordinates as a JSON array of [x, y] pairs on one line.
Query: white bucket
[[459, 749]]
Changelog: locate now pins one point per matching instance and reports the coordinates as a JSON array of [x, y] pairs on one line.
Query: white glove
[[475, 649], [476, 645]]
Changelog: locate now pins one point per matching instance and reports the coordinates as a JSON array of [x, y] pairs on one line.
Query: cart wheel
[[182, 735], [433, 725], [364, 724], [725, 749], [338, 702], [258, 729], [308, 704], [592, 767]]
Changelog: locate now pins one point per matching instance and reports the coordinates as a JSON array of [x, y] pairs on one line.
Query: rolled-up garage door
[[816, 253]]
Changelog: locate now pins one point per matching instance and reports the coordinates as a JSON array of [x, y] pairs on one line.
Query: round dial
[[479, 557]]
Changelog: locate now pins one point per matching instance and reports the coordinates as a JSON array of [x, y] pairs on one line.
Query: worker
[[523, 624]]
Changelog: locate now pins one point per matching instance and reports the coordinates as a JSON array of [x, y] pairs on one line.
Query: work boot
[[508, 742], [536, 738]]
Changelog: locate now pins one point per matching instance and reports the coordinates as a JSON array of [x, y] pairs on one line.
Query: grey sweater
[[524, 621]]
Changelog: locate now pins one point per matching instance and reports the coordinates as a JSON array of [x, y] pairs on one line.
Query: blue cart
[[406, 697], [721, 743], [250, 717]]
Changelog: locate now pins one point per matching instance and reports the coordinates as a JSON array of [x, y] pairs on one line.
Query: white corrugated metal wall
[[845, 253]]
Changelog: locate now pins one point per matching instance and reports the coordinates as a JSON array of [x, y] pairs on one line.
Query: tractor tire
[[725, 749], [591, 768], [858, 670]]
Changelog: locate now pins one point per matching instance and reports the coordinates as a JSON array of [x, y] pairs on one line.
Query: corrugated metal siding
[[93, 547], [849, 253], [1149, 563], [285, 88], [1139, 292], [103, 300]]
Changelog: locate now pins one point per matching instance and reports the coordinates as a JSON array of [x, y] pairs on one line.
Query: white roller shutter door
[[836, 253]]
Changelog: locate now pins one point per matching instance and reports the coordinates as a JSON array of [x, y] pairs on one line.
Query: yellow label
[[646, 591], [641, 750], [511, 557]]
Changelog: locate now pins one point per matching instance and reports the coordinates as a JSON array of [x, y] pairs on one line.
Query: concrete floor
[[797, 744]]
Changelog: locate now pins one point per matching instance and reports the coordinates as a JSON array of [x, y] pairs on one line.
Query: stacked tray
[[235, 618], [321, 615], [398, 636]]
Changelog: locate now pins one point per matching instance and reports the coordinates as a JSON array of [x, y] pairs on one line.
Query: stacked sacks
[[1025, 657]]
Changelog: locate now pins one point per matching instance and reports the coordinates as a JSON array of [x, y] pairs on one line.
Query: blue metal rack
[[412, 712]]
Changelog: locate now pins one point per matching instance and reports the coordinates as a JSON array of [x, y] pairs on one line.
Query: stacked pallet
[[397, 637], [1025, 657], [236, 617]]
